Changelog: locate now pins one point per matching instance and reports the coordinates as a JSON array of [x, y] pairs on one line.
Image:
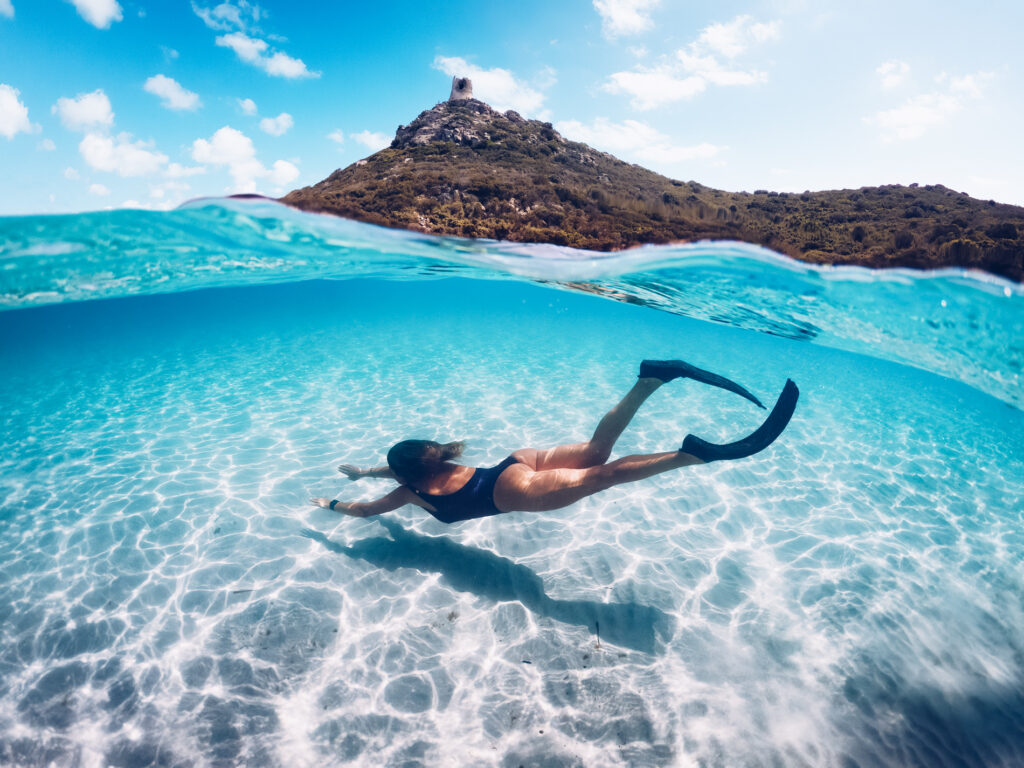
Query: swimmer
[[533, 480]]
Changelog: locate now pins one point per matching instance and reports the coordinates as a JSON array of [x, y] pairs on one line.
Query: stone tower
[[462, 88]]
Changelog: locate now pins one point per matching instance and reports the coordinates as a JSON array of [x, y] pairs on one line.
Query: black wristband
[[335, 501]]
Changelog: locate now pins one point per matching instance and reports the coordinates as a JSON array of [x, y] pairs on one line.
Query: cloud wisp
[[705, 62], [231, 149], [924, 111], [120, 155], [100, 13], [229, 16], [13, 113], [85, 111], [239, 21], [372, 140], [258, 53], [172, 95], [277, 126], [625, 17], [637, 140], [893, 73], [6, 9], [498, 87]]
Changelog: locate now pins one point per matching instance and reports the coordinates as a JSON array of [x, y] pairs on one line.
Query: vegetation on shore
[[465, 169]]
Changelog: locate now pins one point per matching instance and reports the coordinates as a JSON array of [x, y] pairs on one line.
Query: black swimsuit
[[474, 499]]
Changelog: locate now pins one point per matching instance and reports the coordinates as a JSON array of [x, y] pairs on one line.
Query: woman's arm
[[397, 498], [354, 473]]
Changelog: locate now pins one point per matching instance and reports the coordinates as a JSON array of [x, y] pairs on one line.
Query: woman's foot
[[757, 440], [666, 370]]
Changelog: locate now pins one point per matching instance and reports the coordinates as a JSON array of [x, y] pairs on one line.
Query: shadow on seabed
[[468, 569]]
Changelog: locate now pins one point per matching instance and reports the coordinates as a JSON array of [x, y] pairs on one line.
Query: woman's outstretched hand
[[351, 472], [321, 502]]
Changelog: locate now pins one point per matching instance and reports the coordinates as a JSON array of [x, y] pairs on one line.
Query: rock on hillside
[[463, 168]]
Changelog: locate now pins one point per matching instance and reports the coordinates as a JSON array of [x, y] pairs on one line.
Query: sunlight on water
[[965, 325], [853, 596]]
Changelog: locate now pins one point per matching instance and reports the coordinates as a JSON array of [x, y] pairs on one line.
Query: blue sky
[[108, 103]]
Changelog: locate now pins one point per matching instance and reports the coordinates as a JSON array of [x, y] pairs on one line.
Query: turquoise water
[[853, 596]]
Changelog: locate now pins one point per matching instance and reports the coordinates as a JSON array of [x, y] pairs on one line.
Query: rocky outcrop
[[467, 122], [463, 168]]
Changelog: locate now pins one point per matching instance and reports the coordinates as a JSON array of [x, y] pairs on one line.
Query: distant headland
[[463, 168]]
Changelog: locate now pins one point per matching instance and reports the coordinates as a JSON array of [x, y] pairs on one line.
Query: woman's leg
[[596, 450], [520, 489]]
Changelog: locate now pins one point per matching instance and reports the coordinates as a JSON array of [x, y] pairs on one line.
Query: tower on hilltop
[[462, 88]]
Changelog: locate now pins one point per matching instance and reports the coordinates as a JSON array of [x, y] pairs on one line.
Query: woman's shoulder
[[408, 495]]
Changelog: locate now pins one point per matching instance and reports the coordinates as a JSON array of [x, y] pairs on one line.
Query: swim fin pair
[[757, 441]]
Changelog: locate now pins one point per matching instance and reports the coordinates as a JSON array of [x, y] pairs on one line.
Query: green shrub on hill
[[484, 174]]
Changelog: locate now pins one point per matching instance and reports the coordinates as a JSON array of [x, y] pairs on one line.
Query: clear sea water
[[175, 386]]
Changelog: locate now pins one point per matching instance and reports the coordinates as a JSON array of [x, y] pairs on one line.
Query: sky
[[148, 103]]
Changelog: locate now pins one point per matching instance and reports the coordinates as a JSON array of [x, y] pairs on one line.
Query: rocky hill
[[463, 168]]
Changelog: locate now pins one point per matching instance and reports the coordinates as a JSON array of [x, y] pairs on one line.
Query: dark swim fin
[[666, 370], [757, 440]]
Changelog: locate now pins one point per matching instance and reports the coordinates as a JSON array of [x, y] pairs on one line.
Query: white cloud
[[100, 13], [337, 137], [914, 117], [169, 53], [498, 87], [240, 19], [248, 106], [178, 171], [230, 16], [732, 38], [120, 155], [652, 88], [84, 111], [893, 73], [371, 140], [635, 139], [710, 70], [171, 93], [970, 85], [282, 172], [71, 174], [249, 49], [257, 52], [692, 69], [625, 17], [6, 9], [13, 114], [234, 150], [46, 145], [277, 126], [98, 189]]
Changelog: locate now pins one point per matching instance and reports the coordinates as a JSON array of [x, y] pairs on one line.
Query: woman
[[532, 480]]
